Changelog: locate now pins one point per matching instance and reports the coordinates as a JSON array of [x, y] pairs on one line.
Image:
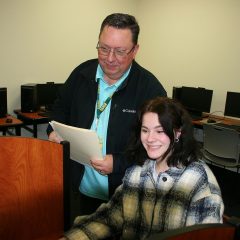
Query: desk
[[222, 119], [33, 119], [16, 123]]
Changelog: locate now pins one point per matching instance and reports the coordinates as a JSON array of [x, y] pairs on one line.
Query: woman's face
[[153, 137]]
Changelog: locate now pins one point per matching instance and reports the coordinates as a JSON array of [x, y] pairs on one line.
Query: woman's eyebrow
[[154, 127]]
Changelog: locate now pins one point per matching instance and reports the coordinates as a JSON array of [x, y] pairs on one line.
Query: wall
[[187, 42], [44, 40], [192, 43]]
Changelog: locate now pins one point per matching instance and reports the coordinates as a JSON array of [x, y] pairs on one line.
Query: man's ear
[[135, 50]]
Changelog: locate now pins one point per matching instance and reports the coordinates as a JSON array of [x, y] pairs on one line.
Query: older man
[[104, 94]]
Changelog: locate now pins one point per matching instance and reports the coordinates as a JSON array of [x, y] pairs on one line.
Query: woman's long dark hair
[[172, 116]]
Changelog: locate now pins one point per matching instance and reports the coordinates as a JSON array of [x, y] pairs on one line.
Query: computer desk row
[[35, 118]]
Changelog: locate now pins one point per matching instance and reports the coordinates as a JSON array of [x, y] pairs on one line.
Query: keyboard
[[234, 127]]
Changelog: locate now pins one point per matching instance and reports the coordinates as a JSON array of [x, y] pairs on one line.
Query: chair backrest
[[199, 232], [32, 188], [221, 142]]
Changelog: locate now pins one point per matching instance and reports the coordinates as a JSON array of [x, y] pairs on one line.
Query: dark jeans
[[84, 205], [88, 205]]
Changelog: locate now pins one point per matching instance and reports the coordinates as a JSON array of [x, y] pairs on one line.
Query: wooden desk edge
[[15, 121], [222, 119], [29, 115]]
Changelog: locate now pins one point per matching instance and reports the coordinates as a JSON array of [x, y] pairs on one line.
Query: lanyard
[[100, 109]]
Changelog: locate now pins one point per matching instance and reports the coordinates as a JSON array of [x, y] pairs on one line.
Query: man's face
[[117, 40]]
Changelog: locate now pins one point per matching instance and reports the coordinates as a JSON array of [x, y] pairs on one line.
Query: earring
[[176, 140]]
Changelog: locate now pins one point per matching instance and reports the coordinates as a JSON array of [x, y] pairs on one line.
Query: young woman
[[168, 188]]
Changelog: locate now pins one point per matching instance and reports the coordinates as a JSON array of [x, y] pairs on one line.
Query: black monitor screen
[[232, 105], [47, 94], [196, 100]]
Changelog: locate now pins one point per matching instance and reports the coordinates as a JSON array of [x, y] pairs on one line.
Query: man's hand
[[104, 166], [54, 137]]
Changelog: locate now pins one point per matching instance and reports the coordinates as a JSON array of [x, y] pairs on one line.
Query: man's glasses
[[119, 53]]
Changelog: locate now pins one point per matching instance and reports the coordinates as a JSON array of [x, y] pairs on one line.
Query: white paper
[[84, 143]]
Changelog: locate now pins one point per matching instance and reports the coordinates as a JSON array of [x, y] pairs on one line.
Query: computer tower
[[29, 98], [47, 94], [3, 102], [176, 93]]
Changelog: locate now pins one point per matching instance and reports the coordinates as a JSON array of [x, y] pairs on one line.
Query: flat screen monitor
[[47, 94], [196, 100], [3, 102], [232, 105]]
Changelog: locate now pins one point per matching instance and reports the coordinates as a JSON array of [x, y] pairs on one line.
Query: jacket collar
[[148, 167], [90, 72]]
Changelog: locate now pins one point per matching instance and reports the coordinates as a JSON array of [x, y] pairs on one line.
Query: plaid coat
[[142, 206]]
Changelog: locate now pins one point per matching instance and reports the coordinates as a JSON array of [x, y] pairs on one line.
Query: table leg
[[35, 130], [18, 130]]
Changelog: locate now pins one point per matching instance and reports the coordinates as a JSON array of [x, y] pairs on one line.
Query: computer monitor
[[232, 105], [195, 100], [3, 102], [47, 94]]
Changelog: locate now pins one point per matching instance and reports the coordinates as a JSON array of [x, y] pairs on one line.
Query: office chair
[[221, 145], [34, 202]]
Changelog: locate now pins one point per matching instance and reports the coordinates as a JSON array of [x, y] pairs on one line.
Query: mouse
[[8, 120], [211, 120]]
